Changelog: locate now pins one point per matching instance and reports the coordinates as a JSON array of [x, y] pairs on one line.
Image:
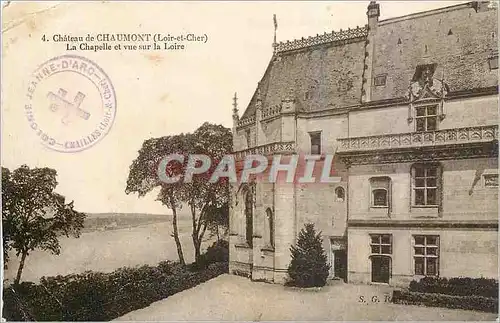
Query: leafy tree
[[309, 267], [208, 201], [205, 200], [143, 177], [33, 215], [218, 218]]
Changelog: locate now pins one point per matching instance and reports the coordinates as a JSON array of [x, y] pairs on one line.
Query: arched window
[[340, 194], [270, 227], [249, 217], [380, 191]]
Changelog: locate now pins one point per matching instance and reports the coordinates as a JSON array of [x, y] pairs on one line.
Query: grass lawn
[[230, 297]]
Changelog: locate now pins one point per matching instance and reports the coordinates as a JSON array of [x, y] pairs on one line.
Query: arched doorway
[[381, 269]]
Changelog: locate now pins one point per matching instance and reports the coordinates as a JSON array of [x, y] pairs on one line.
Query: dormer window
[[426, 118]]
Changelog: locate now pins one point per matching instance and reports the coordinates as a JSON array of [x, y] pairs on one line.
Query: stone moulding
[[423, 224], [271, 148], [422, 154], [334, 36], [420, 139]]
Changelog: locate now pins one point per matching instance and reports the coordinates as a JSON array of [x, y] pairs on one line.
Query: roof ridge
[[430, 12], [334, 36]]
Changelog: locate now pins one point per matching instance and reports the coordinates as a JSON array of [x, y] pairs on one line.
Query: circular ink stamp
[[72, 103]]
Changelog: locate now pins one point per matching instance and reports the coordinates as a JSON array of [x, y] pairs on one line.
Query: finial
[[275, 28], [235, 106], [259, 96]]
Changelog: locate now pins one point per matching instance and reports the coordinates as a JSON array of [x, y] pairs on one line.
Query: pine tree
[[309, 267]]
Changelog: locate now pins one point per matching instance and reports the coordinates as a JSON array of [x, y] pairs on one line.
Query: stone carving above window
[[424, 84], [425, 88]]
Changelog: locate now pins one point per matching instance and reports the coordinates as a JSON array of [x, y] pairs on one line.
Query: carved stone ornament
[[425, 86]]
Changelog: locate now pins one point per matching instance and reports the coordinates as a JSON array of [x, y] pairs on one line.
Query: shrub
[[217, 252], [93, 296], [308, 267], [459, 286], [473, 302]]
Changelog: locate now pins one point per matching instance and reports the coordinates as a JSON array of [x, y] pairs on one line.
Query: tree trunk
[[20, 269], [197, 246], [176, 236]]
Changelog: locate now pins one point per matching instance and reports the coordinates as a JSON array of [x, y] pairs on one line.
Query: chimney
[[372, 13]]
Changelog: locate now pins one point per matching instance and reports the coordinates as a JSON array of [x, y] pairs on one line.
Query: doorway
[[381, 269], [340, 264]]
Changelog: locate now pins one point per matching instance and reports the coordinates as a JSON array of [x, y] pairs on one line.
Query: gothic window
[[249, 217], [426, 118], [425, 184], [270, 227], [247, 137], [315, 143], [380, 189], [340, 194]]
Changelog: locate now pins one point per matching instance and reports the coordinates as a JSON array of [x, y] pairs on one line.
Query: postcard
[[249, 161]]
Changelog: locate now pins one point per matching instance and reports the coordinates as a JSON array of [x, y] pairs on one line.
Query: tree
[[204, 199], [143, 177], [309, 267], [33, 215], [208, 201], [218, 218]]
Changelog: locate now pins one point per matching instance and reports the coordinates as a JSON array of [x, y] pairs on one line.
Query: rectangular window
[[315, 143], [380, 80], [426, 118], [493, 62], [490, 180], [381, 244], [426, 255], [425, 185]]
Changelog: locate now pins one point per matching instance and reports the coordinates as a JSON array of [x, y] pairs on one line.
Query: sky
[[160, 93]]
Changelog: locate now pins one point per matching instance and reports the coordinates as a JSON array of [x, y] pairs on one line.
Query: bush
[[459, 286], [473, 302], [308, 267], [93, 296], [217, 252]]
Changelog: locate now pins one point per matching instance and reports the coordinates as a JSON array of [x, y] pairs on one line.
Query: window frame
[[493, 62], [380, 244], [248, 138], [311, 136], [270, 226], [426, 116], [425, 188], [490, 175], [380, 80], [380, 183], [248, 211], [425, 256]]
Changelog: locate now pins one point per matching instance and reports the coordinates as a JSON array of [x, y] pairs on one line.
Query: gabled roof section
[[458, 41], [319, 72]]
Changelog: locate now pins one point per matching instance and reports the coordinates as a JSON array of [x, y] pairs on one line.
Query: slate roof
[[458, 40], [321, 74]]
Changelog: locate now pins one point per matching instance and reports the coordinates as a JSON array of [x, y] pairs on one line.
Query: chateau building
[[408, 107]]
